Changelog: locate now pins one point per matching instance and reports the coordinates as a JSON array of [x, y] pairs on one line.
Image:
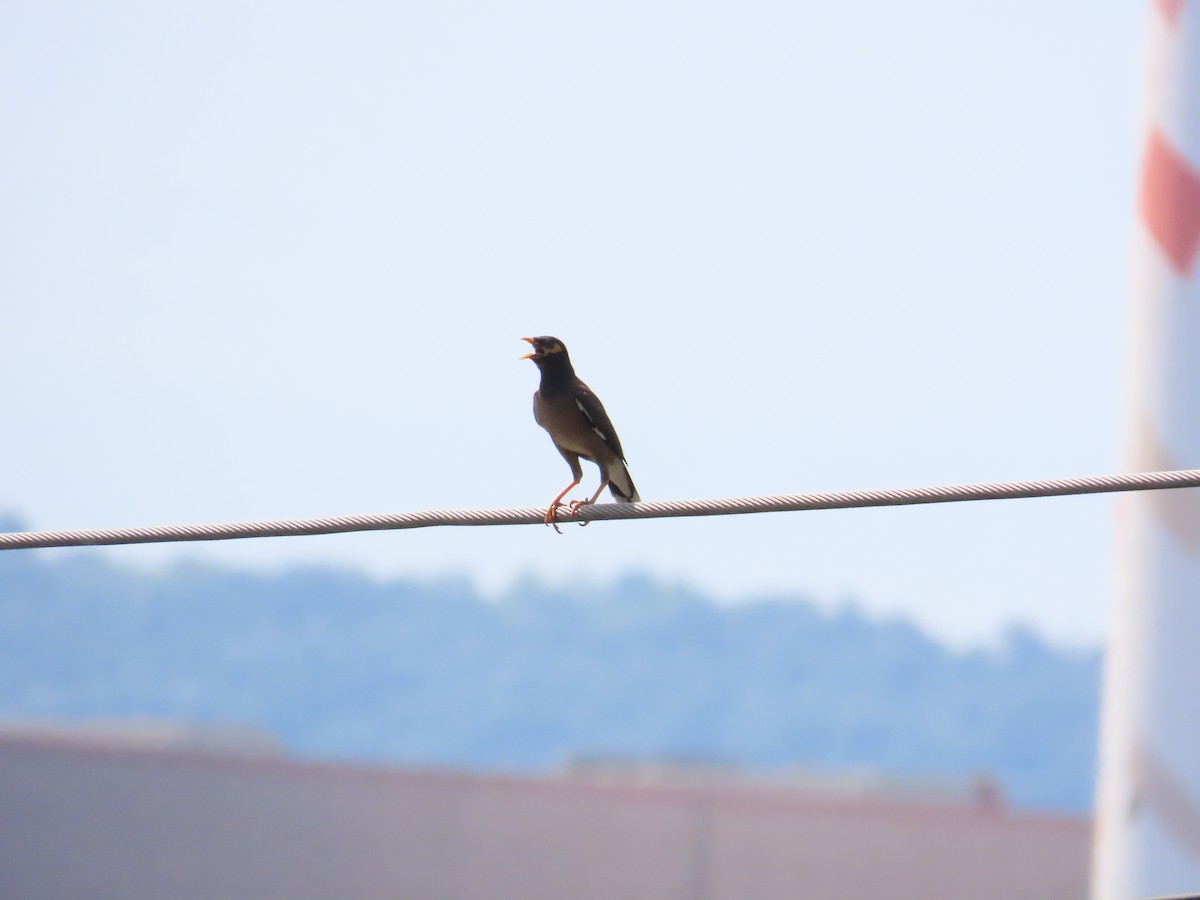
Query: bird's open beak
[[529, 355]]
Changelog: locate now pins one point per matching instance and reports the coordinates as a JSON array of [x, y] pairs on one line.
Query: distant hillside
[[430, 673]]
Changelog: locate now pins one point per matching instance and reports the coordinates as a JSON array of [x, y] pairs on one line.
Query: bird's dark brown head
[[547, 351]]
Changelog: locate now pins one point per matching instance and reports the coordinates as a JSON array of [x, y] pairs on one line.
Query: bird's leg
[[552, 512]]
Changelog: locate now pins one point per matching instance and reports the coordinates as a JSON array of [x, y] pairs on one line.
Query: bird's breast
[[568, 428]]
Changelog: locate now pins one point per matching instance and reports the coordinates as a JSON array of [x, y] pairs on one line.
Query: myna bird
[[578, 425]]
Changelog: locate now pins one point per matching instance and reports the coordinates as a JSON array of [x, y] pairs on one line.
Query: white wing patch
[[591, 421]]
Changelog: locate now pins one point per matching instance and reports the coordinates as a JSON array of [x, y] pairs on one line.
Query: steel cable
[[1010, 490]]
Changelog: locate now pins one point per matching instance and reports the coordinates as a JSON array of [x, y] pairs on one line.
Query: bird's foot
[[574, 509], [552, 516]]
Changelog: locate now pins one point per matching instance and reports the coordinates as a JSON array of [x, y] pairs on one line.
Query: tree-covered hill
[[336, 664]]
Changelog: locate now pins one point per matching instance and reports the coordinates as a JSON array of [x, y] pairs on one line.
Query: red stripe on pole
[[1172, 11], [1170, 202]]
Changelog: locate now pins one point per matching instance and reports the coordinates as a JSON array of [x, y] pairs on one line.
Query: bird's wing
[[593, 410]]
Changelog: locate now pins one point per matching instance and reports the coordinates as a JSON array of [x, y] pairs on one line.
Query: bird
[[576, 421]]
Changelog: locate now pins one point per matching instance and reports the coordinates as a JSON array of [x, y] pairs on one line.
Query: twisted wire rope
[[1005, 490]]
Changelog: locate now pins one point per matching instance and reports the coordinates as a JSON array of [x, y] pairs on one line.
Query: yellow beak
[[527, 355]]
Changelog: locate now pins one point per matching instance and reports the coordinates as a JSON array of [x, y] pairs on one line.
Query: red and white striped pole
[[1147, 839]]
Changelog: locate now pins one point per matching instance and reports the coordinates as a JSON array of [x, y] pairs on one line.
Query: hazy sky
[[272, 260]]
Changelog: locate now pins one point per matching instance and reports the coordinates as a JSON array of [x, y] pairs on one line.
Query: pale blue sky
[[272, 260]]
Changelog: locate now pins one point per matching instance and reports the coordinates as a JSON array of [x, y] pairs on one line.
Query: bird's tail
[[620, 484]]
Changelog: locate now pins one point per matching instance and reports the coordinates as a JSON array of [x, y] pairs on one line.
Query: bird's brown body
[[576, 421]]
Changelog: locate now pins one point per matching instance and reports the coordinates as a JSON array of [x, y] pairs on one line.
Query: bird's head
[[545, 348]]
